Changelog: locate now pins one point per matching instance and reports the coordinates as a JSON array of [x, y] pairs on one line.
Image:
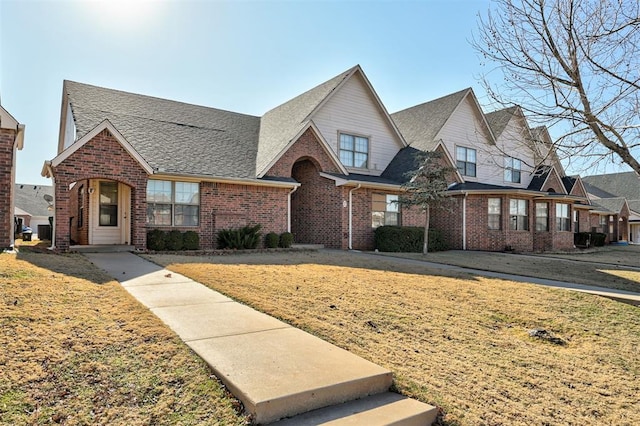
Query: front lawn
[[458, 341], [76, 349]]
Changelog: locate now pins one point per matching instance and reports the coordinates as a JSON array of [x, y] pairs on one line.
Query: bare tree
[[571, 64], [427, 187]]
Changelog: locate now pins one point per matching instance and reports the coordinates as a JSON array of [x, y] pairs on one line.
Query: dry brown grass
[[460, 342], [76, 349], [610, 267]]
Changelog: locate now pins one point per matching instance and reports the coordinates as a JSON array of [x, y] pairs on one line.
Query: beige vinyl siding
[[465, 128], [514, 141], [69, 136], [353, 110]]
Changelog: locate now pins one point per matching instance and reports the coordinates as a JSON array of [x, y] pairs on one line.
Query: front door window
[[108, 203]]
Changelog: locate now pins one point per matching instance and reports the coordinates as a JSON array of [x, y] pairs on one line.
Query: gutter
[[289, 208], [351, 191], [236, 181]]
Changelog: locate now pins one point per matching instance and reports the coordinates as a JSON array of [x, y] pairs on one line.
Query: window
[[518, 214], [542, 217], [384, 210], [603, 220], [354, 150], [512, 168], [173, 203], [108, 204], [466, 161], [495, 213], [562, 217]]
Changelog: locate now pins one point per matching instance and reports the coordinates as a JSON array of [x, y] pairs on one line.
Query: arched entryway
[[316, 207]]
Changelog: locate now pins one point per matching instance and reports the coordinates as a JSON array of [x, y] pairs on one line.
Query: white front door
[[110, 207]]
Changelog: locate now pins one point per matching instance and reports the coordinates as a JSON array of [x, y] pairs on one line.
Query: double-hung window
[[384, 210], [495, 213], [173, 203], [542, 217], [466, 161], [512, 169], [562, 217], [518, 213], [354, 150]]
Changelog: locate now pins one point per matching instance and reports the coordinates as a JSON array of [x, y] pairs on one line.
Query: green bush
[[589, 239], [174, 241], [598, 239], [286, 240], [191, 240], [156, 240], [271, 240], [246, 237], [407, 239]]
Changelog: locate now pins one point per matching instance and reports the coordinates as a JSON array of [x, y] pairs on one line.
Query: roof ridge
[[450, 95]]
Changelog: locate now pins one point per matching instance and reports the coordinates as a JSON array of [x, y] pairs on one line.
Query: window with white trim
[[108, 204], [354, 150], [562, 217], [542, 217], [384, 210], [494, 210], [512, 169], [466, 161], [173, 203], [518, 215]]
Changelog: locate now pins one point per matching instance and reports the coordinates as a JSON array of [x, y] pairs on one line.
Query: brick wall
[[102, 157], [7, 138]]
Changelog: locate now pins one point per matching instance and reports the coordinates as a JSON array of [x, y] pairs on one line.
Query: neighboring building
[[513, 192], [34, 206], [617, 196], [327, 165], [11, 140]]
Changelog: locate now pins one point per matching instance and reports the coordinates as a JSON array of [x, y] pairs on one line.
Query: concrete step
[[282, 372], [377, 410]]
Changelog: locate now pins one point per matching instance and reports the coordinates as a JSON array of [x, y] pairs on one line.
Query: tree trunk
[[425, 247]]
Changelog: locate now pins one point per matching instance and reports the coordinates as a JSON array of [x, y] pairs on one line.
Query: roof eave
[[229, 180]]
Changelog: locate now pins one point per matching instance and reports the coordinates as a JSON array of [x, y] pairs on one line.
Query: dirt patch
[[456, 341], [76, 349]]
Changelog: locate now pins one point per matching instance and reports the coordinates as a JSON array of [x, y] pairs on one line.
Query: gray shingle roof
[[613, 205], [405, 161], [30, 199], [281, 124], [420, 124], [499, 119], [594, 190], [625, 184], [171, 136]]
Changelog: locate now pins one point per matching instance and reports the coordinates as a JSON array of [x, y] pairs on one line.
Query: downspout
[[351, 215], [464, 221], [53, 222], [295, 188]]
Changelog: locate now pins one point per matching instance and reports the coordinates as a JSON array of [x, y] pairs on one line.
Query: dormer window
[[512, 169], [466, 161], [354, 150]]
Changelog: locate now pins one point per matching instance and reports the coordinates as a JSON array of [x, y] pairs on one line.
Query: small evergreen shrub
[[246, 237], [271, 240], [407, 239], [191, 240], [174, 240], [286, 240], [589, 239], [156, 240]]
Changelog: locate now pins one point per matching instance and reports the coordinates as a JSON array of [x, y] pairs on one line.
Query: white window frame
[[512, 170], [391, 213], [465, 162], [544, 216], [354, 152], [563, 221], [173, 204], [491, 215], [518, 214]]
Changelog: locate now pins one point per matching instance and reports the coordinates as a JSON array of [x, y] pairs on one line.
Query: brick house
[[328, 166], [11, 140]]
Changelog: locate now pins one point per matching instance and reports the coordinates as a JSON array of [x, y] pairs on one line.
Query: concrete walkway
[[276, 370], [619, 295]]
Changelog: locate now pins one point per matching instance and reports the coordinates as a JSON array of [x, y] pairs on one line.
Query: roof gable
[[626, 184], [546, 178], [105, 125]]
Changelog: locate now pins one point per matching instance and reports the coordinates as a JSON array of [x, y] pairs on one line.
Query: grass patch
[[457, 341], [78, 349]]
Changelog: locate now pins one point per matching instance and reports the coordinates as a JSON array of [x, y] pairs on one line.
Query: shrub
[[598, 239], [407, 239], [589, 239], [156, 240], [271, 240], [286, 239], [174, 240], [246, 237], [191, 240]]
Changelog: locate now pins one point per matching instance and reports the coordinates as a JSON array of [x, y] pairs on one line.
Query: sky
[[243, 56]]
